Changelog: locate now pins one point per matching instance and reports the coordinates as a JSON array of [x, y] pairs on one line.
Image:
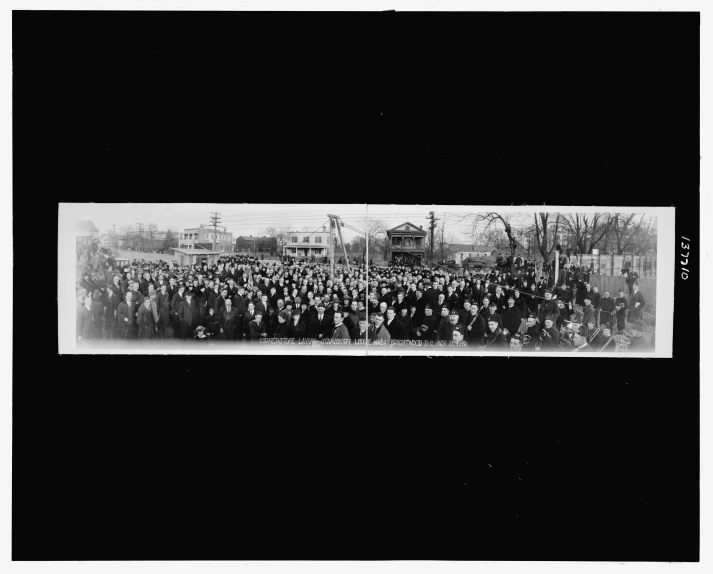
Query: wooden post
[[557, 266]]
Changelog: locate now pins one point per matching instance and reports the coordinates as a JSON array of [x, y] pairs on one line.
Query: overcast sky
[[251, 219], [240, 219]]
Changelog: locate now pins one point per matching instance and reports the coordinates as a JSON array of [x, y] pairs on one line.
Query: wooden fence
[[612, 265]]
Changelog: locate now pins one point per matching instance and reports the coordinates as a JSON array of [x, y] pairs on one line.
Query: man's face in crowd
[[390, 314], [441, 298], [362, 324], [493, 308], [578, 340], [515, 345], [548, 323], [606, 331], [457, 336], [531, 321], [454, 319], [379, 320], [383, 307], [264, 300], [548, 296], [444, 312], [492, 325], [372, 318]]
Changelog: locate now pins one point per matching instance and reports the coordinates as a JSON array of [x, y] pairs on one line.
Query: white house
[[461, 251], [305, 244]]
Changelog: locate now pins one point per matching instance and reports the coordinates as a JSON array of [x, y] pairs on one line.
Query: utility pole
[[432, 217], [215, 220], [336, 221], [141, 237]]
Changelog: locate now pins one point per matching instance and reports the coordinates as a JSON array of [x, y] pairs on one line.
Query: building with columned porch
[[407, 244], [305, 244]]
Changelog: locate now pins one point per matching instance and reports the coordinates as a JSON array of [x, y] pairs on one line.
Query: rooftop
[[86, 226], [416, 228], [196, 251], [471, 247]]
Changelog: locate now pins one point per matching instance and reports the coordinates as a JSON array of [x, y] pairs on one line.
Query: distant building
[[259, 247], [191, 256], [303, 244], [86, 233], [407, 244], [202, 237], [461, 251]]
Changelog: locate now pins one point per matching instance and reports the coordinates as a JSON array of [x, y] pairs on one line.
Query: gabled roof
[[246, 238], [398, 227], [86, 226], [196, 251], [470, 247]]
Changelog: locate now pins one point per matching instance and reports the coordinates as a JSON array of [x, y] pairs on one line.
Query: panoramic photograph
[[357, 278]]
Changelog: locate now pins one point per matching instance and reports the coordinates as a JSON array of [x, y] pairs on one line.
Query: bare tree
[[492, 219], [151, 229], [171, 238], [621, 225], [373, 229], [281, 235], [545, 234], [126, 232]]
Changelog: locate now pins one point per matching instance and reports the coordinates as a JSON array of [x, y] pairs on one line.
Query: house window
[[318, 239], [407, 228], [305, 239], [294, 239]]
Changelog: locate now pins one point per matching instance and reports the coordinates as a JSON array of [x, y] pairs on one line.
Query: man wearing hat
[[491, 312], [282, 331], [445, 329], [145, 320], [125, 318], [594, 333], [475, 326], [588, 310], [431, 294], [579, 340], [607, 309], [636, 304], [459, 333], [85, 321], [229, 320], [638, 342], [512, 319], [549, 336], [320, 326], [621, 305], [187, 315], [494, 339], [549, 308], [425, 329], [605, 342], [176, 301]]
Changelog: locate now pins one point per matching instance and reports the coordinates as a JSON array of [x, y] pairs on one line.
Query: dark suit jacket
[[324, 328], [396, 329]]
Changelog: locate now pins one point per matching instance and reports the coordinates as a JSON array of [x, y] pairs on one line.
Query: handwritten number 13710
[[684, 273]]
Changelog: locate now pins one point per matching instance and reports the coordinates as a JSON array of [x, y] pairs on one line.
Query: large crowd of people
[[242, 299]]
